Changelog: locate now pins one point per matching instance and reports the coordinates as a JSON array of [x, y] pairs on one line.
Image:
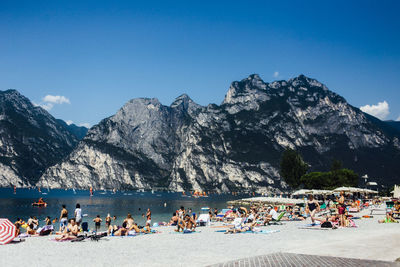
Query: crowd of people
[[329, 213]]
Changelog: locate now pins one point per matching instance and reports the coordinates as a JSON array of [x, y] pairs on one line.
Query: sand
[[369, 241]]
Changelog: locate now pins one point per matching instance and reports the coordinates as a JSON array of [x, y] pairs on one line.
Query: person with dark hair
[[78, 214], [97, 222], [18, 225], [48, 220], [118, 231], [190, 224], [35, 223], [148, 217], [174, 220], [63, 218], [181, 212], [129, 221]]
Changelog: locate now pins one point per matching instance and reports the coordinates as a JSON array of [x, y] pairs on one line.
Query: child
[[97, 222]]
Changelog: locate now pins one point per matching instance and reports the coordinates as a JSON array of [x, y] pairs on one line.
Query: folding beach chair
[[278, 221]]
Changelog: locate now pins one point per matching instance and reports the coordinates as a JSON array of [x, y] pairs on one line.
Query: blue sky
[[99, 54]]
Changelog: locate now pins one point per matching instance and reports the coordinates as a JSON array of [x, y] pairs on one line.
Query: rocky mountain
[[30, 140], [233, 146], [78, 131]]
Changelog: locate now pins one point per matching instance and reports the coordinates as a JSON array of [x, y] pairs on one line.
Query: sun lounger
[[203, 220], [373, 210]]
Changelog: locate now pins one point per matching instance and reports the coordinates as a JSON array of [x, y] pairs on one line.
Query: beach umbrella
[[345, 189], [302, 192], [7, 231]]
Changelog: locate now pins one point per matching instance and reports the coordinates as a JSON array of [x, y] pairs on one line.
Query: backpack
[[326, 225]]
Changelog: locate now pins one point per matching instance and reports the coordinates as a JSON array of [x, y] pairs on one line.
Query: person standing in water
[[97, 222], [63, 218]]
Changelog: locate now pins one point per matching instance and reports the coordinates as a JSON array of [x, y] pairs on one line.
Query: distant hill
[[78, 131]]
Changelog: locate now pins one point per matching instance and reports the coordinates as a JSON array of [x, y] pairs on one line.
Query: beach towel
[[45, 230]]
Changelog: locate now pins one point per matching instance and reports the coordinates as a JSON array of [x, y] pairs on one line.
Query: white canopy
[[355, 190], [312, 192], [346, 189]]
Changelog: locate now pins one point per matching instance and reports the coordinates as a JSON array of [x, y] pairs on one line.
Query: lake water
[[19, 205]]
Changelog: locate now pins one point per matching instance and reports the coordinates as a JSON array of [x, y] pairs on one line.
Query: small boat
[[37, 204]]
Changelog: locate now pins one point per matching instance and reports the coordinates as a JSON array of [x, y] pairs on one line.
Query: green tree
[[316, 180], [292, 167], [329, 180]]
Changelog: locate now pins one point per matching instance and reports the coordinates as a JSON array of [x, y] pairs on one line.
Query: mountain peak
[[185, 102]]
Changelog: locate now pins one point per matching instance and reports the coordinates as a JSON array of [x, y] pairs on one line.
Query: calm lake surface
[[19, 205]]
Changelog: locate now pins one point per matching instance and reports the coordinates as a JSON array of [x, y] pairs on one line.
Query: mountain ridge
[[232, 146], [31, 140]]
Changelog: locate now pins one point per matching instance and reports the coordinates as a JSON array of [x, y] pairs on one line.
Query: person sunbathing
[[129, 221], [118, 231], [388, 219], [30, 229], [174, 220], [328, 218], [136, 228], [70, 232]]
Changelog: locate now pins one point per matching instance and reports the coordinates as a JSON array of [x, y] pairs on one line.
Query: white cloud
[[69, 122], [56, 99], [49, 101], [398, 119], [276, 74], [380, 110], [85, 124]]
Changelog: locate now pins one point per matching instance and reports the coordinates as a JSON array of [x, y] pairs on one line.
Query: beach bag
[[84, 226], [326, 225]]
